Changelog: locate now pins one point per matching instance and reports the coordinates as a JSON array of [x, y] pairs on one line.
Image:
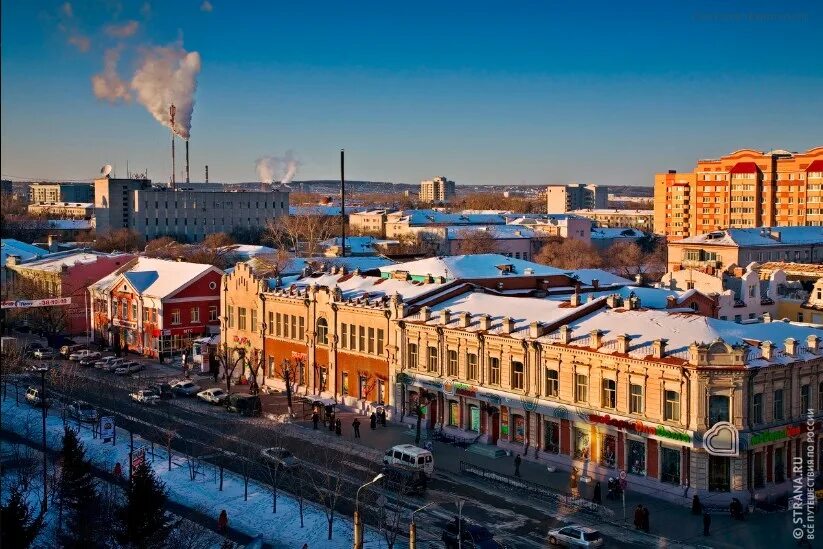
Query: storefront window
[[504, 421], [759, 477], [551, 437], [581, 444], [670, 465], [779, 468], [719, 476], [345, 384], [718, 409], [474, 418], [637, 457], [454, 413], [519, 429], [608, 451]]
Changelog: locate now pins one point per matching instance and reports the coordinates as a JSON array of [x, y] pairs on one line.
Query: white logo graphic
[[722, 440]]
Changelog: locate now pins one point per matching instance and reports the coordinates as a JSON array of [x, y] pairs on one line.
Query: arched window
[[322, 332]]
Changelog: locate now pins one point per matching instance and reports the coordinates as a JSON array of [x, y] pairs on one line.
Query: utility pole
[[44, 405], [343, 201]]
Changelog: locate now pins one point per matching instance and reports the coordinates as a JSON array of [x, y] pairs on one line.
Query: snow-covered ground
[[253, 517]]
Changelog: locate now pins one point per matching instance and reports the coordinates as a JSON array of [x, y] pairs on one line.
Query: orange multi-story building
[[747, 188]]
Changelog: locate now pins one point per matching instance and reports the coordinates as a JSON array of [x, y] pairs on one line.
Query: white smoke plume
[[277, 168], [165, 76], [122, 31], [107, 85]]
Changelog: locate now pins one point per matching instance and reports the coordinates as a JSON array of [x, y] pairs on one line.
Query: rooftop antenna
[[172, 110]]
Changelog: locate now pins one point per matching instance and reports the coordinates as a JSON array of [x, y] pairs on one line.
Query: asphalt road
[[221, 437]]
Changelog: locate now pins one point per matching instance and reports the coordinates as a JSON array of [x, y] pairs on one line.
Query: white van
[[409, 455]]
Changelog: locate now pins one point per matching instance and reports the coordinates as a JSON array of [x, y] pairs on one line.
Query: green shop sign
[[772, 436]]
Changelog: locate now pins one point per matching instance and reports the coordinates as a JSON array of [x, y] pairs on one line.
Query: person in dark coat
[[638, 517], [517, 460], [331, 421], [222, 522], [356, 426], [696, 505], [373, 421], [338, 427], [315, 419], [598, 497], [707, 522], [383, 418], [646, 519]]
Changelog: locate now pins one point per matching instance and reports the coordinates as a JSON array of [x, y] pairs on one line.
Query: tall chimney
[[172, 110], [187, 161], [343, 202], [207, 173]]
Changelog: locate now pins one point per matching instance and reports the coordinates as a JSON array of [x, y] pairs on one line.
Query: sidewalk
[[667, 519]]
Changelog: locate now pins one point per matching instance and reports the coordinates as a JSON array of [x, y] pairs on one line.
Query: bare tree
[[302, 233], [66, 380], [49, 320], [287, 371], [476, 241], [629, 259], [568, 254], [120, 240], [327, 483]]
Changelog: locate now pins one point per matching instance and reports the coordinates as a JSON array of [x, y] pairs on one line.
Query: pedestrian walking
[[517, 460], [638, 517], [356, 426], [223, 522], [598, 497], [331, 421], [707, 522], [118, 470], [305, 546], [696, 505], [338, 427], [315, 419], [373, 421], [646, 519], [383, 417], [215, 372]]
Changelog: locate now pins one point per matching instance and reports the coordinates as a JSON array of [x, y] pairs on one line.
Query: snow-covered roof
[[65, 204], [70, 224], [609, 211], [650, 298], [357, 244], [369, 288], [790, 236], [616, 232], [498, 232], [244, 252], [437, 217], [322, 210], [11, 246], [473, 267], [604, 278], [159, 278], [53, 263]]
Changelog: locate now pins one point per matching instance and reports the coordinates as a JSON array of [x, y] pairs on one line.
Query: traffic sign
[[106, 428]]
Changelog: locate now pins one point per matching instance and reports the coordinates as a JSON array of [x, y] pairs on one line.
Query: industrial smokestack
[[207, 173], [171, 120], [187, 161], [343, 202]]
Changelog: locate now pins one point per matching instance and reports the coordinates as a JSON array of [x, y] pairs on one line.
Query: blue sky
[[482, 92]]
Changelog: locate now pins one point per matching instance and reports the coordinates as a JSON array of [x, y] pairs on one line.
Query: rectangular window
[[175, 316], [581, 388], [805, 397], [361, 332], [241, 318], [552, 383], [413, 358], [271, 323], [670, 465], [609, 396], [635, 399], [301, 328], [518, 375], [278, 325], [352, 337], [671, 410], [380, 341], [195, 314], [778, 405], [431, 359], [212, 313], [286, 324], [452, 363], [757, 408], [494, 370], [718, 409], [637, 457], [371, 341], [551, 437], [344, 335], [471, 366], [254, 320], [345, 383], [134, 311]]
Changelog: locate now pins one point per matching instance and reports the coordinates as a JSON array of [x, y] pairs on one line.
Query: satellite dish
[[105, 170]]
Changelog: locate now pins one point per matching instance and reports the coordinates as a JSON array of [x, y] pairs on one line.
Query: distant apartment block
[[184, 214], [636, 219], [61, 192], [747, 188], [576, 196], [6, 186], [76, 210], [438, 189]]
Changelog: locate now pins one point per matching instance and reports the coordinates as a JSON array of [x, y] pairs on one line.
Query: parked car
[[164, 390], [473, 536], [82, 411], [575, 535], [45, 353], [103, 361], [88, 361], [30, 348], [245, 405], [280, 457], [404, 480], [35, 397], [114, 364], [186, 387], [213, 396], [129, 367], [67, 350], [145, 396], [83, 353]]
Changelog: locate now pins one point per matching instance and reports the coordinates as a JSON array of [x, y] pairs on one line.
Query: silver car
[[575, 535], [82, 411], [280, 457], [128, 368]]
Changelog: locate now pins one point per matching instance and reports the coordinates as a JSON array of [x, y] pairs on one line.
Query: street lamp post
[[358, 526], [413, 527], [460, 503], [43, 405]]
